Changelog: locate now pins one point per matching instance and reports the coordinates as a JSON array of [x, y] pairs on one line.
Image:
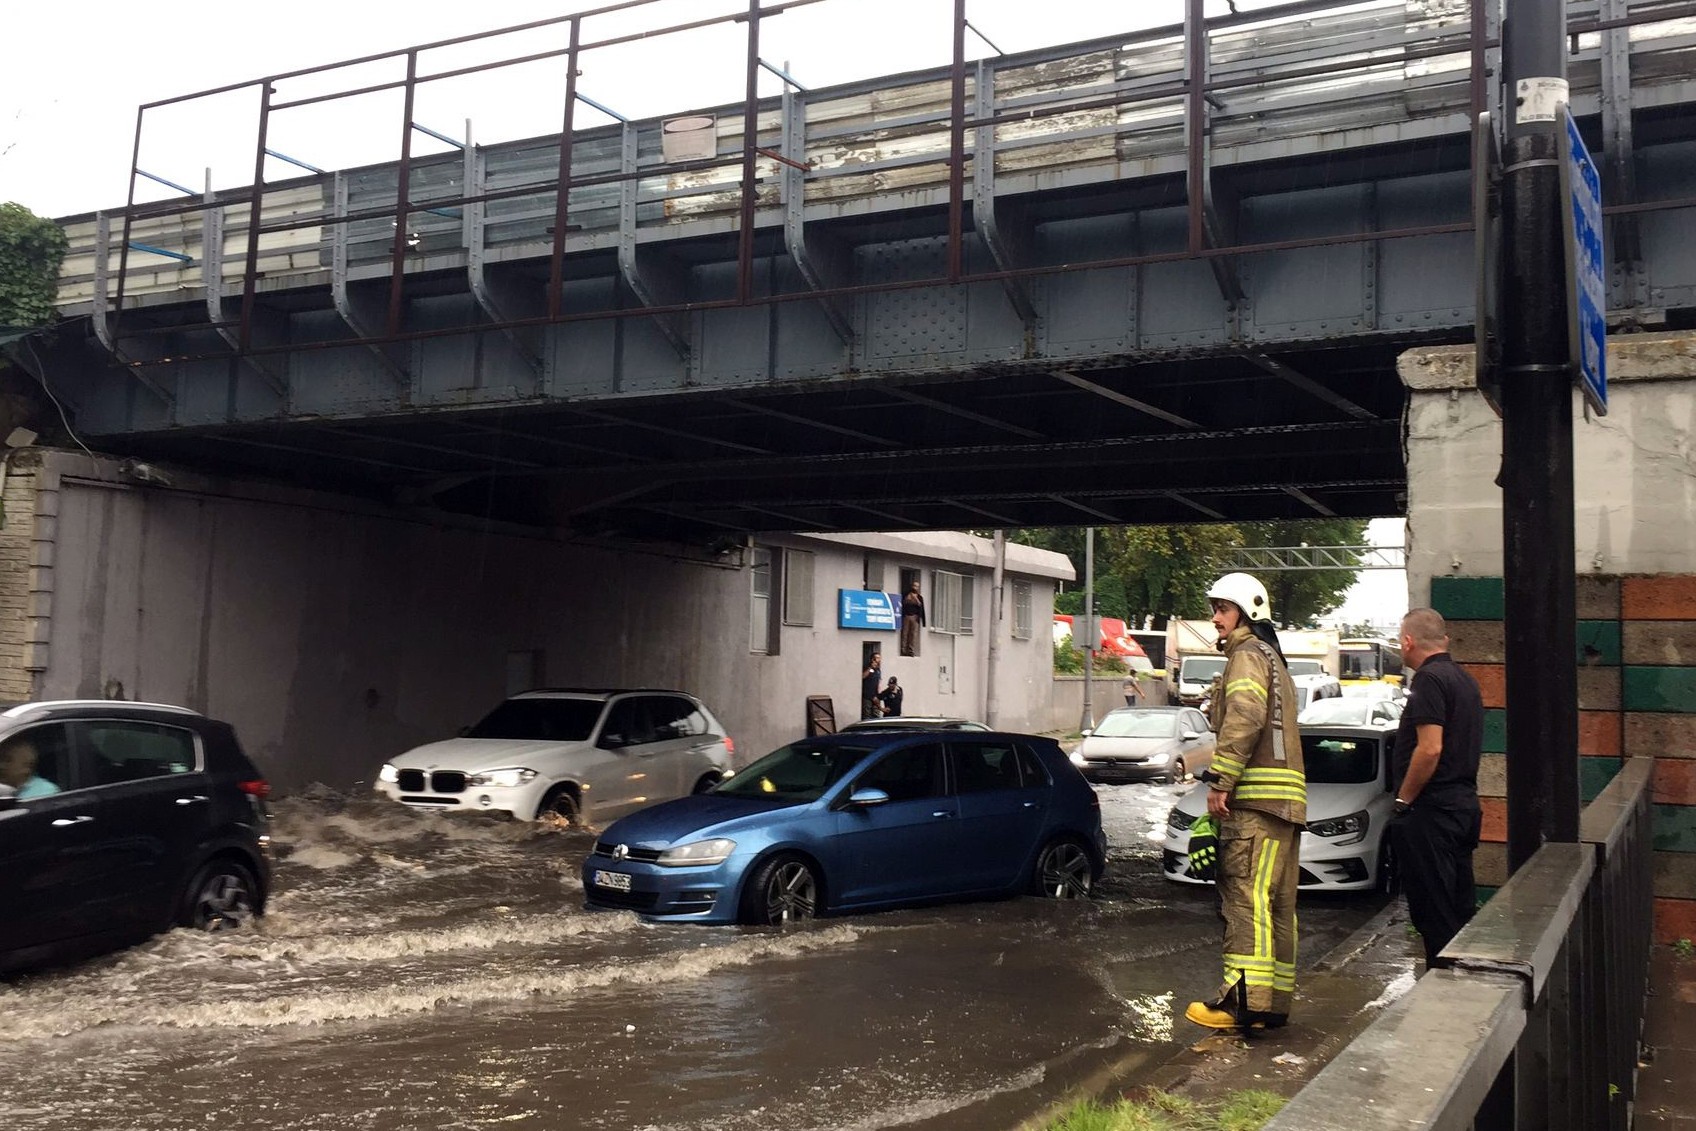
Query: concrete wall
[[334, 635], [1635, 526]]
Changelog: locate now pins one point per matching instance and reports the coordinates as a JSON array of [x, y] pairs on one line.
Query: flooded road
[[437, 971]]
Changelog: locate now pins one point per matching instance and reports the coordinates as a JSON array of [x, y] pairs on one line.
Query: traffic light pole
[[1536, 377]]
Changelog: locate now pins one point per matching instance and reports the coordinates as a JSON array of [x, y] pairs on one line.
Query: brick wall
[[1636, 696], [17, 534]]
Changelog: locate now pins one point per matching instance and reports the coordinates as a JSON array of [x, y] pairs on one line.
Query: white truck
[[1193, 657]]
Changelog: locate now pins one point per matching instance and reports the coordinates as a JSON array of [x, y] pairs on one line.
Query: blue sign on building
[[866, 608], [1586, 266]]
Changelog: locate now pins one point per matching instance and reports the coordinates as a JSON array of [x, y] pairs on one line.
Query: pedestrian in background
[[912, 618], [1435, 767], [869, 679], [1257, 792], [890, 698]]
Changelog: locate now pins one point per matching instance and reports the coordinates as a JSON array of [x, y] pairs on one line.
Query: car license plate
[[615, 880]]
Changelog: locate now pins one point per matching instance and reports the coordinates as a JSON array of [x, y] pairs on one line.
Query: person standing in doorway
[[869, 680], [891, 697], [912, 618], [1435, 767], [1257, 792]]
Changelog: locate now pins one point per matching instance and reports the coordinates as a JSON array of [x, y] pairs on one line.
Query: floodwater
[[427, 971]]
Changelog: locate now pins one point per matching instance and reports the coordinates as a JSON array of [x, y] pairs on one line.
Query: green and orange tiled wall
[[1636, 696]]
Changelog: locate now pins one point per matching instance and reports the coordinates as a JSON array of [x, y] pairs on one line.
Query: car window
[[674, 717], [1132, 722], [629, 723], [983, 766], [908, 774], [799, 772], [1339, 761], [1031, 770], [1196, 721], [37, 762], [123, 751], [545, 719]]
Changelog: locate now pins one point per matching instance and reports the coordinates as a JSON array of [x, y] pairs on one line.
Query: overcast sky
[[73, 82]]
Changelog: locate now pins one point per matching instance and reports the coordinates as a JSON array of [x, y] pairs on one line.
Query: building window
[[1022, 627], [762, 635], [945, 602], [874, 573], [968, 602], [798, 587]]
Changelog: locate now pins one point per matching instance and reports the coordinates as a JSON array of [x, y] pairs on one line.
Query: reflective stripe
[[1273, 773], [1253, 685]]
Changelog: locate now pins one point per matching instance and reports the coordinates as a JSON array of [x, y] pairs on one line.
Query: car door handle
[[62, 822], [1032, 805], [942, 813], [195, 800]]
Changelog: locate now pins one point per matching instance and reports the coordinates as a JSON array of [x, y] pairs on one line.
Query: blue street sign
[[866, 608], [1586, 266]]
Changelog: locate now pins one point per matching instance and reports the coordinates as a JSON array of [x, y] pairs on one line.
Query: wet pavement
[[420, 970]]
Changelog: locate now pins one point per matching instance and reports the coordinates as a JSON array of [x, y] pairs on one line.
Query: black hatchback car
[[119, 820]]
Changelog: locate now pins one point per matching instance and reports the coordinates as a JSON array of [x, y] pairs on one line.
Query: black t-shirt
[[1443, 693], [869, 682]]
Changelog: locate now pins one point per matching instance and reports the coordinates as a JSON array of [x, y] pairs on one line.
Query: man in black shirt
[[869, 679], [1435, 768]]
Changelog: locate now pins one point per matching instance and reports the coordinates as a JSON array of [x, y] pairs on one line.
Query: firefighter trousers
[[1258, 876]]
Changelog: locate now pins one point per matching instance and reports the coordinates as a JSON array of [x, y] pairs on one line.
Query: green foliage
[[31, 250], [1067, 659], [1163, 1111], [1165, 571], [1684, 948]]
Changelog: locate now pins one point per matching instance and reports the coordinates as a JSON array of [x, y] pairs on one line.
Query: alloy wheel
[[1064, 872]]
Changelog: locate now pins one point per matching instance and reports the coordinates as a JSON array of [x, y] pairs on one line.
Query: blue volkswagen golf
[[858, 822]]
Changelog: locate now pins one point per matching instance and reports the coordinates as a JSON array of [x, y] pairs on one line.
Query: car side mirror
[[1191, 735], [1086, 732], [612, 741], [866, 798]]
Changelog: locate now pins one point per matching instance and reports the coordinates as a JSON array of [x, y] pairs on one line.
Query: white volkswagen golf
[[1349, 804], [583, 756]]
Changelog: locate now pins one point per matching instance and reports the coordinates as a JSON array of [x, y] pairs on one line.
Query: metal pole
[[1091, 634], [562, 202], [957, 148], [1539, 575], [750, 157], [403, 190], [992, 701]]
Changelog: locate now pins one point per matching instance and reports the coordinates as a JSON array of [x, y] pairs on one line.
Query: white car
[[1349, 804], [583, 756]]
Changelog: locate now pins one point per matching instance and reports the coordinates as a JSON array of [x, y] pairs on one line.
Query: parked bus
[[1362, 661]]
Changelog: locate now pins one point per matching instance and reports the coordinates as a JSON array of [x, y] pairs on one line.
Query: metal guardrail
[[1534, 1020]]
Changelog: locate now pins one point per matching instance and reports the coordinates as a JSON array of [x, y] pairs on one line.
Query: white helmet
[[1245, 593]]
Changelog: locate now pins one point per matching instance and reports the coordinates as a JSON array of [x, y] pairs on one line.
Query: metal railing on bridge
[[1534, 1021]]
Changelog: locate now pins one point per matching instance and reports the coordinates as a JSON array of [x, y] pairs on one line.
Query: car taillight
[[730, 746], [258, 787]]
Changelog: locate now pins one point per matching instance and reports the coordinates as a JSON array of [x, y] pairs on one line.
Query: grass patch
[[1163, 1111]]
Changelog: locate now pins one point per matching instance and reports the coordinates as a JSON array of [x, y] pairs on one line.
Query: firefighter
[[1257, 792]]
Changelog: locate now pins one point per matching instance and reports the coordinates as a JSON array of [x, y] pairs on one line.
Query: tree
[[1160, 572], [31, 250]]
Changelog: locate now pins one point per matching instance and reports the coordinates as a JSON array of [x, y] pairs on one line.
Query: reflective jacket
[[1258, 756]]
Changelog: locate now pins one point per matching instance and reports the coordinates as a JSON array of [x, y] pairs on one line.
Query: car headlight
[[1077, 756], [510, 778], [389, 773], [714, 851], [1178, 821], [1350, 829]]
